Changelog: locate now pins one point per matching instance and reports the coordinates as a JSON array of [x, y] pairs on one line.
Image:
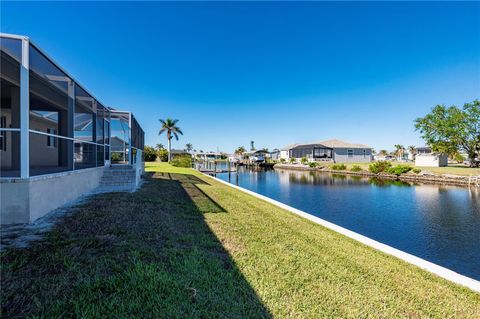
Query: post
[[215, 167], [130, 159], [236, 175], [24, 111], [228, 167], [71, 123]]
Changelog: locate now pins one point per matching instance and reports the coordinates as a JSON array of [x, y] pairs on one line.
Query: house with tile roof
[[333, 150]]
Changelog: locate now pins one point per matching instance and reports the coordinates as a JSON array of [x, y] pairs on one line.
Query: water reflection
[[316, 178], [439, 223]]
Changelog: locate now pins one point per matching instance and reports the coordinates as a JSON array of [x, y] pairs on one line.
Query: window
[[101, 114], [364, 153], [350, 153], [85, 110], [119, 137], [50, 99], [51, 103], [51, 140], [3, 134], [322, 153], [85, 155]]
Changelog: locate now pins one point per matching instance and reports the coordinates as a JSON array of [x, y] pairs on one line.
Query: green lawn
[[454, 169], [186, 246]]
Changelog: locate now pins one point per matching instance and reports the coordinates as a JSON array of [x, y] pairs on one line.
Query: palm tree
[[399, 151], [188, 147], [159, 146], [412, 150], [240, 150], [383, 152], [170, 127]]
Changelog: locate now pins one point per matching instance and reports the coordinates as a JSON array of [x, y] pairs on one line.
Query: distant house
[[426, 157], [329, 150], [383, 157], [275, 154], [208, 156]]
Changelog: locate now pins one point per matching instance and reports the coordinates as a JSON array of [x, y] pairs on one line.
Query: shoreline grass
[[185, 245], [453, 169]]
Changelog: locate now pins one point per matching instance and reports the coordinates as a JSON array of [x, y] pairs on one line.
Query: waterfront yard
[[187, 246], [453, 169]]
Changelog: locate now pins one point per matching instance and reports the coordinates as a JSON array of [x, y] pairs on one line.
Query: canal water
[[435, 222]]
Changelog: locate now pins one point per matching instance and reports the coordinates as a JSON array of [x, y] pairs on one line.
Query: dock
[[218, 171]]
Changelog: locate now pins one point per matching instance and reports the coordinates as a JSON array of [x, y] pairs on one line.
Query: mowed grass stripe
[[340, 262]]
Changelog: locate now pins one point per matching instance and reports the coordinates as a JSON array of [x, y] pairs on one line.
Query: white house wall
[[431, 160], [40, 153], [284, 154]]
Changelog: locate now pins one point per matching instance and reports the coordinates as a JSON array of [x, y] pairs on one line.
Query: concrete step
[[120, 167], [119, 175], [119, 171]]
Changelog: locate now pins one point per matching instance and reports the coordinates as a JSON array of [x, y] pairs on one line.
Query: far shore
[[425, 176]]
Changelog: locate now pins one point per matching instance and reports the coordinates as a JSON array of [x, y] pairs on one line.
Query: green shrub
[[304, 160], [399, 169], [312, 164], [380, 166], [292, 160], [182, 161], [416, 170], [338, 167], [162, 155], [116, 157], [282, 160], [149, 153], [355, 168]]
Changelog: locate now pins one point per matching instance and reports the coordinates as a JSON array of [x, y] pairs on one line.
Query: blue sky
[[275, 73]]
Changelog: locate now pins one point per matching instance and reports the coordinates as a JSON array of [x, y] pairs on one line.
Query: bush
[[356, 168], [282, 160], [162, 155], [116, 157], [416, 170], [182, 161], [292, 160], [338, 167], [304, 160], [313, 164], [399, 169], [380, 166], [149, 154]]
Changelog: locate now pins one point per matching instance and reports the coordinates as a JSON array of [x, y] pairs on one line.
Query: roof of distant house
[[289, 147], [333, 143]]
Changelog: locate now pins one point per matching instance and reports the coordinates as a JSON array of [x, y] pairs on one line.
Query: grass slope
[[188, 246]]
